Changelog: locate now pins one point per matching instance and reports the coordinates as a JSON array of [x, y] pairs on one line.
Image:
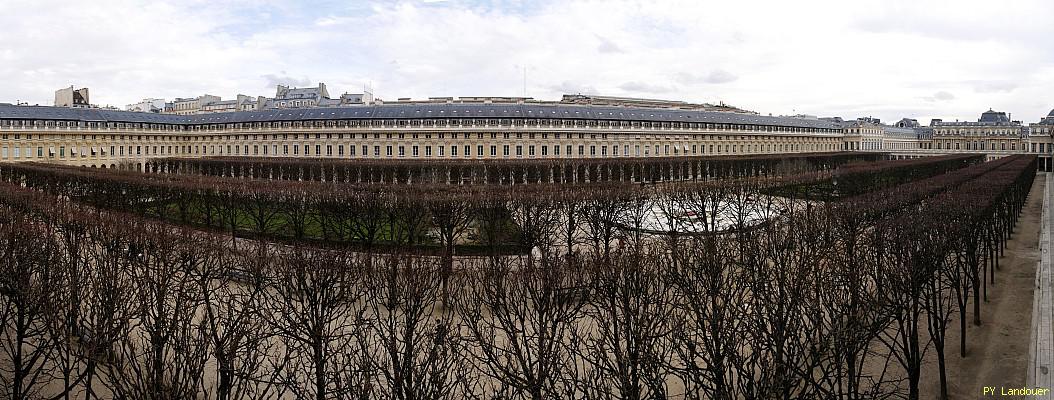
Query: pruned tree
[[163, 354], [29, 257], [413, 344], [314, 307], [631, 314], [522, 323]]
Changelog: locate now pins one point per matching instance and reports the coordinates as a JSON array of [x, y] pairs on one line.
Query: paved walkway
[[1041, 347]]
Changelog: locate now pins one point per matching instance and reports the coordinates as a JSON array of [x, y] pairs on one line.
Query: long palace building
[[109, 139]]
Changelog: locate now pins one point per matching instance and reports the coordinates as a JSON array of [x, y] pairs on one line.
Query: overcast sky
[[889, 59]]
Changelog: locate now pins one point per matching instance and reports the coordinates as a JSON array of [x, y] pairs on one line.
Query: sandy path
[[996, 351]]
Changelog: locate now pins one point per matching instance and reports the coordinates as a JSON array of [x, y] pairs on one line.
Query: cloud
[[607, 46], [720, 76], [970, 21], [940, 96], [566, 87], [644, 87], [715, 77], [330, 21], [873, 57], [284, 79], [994, 86]]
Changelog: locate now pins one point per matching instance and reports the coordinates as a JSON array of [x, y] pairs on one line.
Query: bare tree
[[628, 348], [413, 344], [110, 293], [710, 326], [164, 353], [521, 325], [451, 217], [314, 305], [232, 287], [27, 273]]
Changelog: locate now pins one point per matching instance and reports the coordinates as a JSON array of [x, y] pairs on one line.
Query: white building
[[190, 106], [147, 105], [287, 97]]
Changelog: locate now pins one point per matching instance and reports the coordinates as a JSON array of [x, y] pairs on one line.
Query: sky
[[888, 59]]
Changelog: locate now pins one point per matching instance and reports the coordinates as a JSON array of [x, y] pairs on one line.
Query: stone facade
[[111, 143], [993, 131], [439, 131]]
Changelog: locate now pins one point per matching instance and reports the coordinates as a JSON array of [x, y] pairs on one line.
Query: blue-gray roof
[[414, 111], [904, 132], [86, 114], [994, 116]]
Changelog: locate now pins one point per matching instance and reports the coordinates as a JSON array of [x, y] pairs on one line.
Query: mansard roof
[[994, 116], [8, 111], [414, 111]]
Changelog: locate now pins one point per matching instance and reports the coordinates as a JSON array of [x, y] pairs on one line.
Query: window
[[493, 151], [505, 150]]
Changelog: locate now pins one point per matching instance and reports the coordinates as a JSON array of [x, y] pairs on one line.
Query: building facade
[[863, 134], [70, 97], [147, 105], [190, 106], [483, 130], [1041, 135], [240, 103], [993, 131], [287, 97], [435, 131]]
